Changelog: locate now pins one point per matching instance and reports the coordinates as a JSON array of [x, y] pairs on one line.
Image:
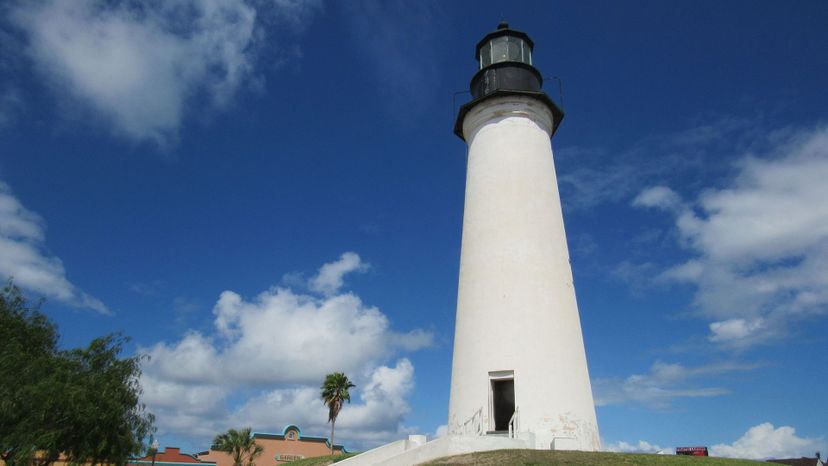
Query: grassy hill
[[543, 457]]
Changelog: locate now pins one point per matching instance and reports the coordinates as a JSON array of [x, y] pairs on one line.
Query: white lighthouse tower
[[519, 366]]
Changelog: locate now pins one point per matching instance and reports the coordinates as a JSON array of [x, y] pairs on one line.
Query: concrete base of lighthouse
[[415, 449]]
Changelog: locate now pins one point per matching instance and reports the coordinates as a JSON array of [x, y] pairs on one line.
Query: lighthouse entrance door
[[503, 402]]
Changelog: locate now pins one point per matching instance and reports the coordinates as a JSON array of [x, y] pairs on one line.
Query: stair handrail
[[513, 422], [474, 424]]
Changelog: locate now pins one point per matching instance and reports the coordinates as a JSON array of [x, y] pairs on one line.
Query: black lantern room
[[505, 60]]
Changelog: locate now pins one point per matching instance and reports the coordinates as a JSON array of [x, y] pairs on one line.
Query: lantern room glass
[[505, 48]]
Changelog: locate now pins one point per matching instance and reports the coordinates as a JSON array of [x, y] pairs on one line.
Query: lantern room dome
[[505, 62], [505, 68], [504, 45]]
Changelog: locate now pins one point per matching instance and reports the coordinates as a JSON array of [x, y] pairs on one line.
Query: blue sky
[[261, 191]]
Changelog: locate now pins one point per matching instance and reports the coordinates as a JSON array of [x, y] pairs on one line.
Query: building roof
[[283, 436], [170, 455], [299, 436]]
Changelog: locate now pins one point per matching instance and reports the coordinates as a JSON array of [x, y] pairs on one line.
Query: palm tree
[[334, 392], [241, 446], [153, 449]]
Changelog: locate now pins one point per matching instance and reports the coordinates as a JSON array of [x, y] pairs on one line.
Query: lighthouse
[[519, 366]]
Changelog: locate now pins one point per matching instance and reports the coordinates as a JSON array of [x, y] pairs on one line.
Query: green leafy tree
[[240, 444], [334, 393], [81, 402], [26, 362]]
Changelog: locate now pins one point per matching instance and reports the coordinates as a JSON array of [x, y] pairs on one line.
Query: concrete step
[[416, 450]]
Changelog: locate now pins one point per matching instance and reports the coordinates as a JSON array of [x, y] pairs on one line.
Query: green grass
[[540, 457], [321, 460]]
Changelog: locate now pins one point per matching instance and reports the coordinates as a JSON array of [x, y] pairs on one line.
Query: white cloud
[[193, 359], [664, 383], [23, 258], [374, 416], [330, 277], [658, 196], [689, 271], [285, 337], [594, 176], [764, 441], [641, 447], [384, 396], [760, 442], [273, 351], [195, 399], [775, 207], [735, 329], [760, 245], [138, 64], [196, 409]]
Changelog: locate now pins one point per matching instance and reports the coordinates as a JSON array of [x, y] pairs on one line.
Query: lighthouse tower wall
[[517, 317]]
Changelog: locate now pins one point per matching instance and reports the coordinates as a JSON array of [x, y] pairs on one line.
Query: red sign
[[692, 451]]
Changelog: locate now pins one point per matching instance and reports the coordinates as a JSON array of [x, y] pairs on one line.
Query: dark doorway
[[503, 402]]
